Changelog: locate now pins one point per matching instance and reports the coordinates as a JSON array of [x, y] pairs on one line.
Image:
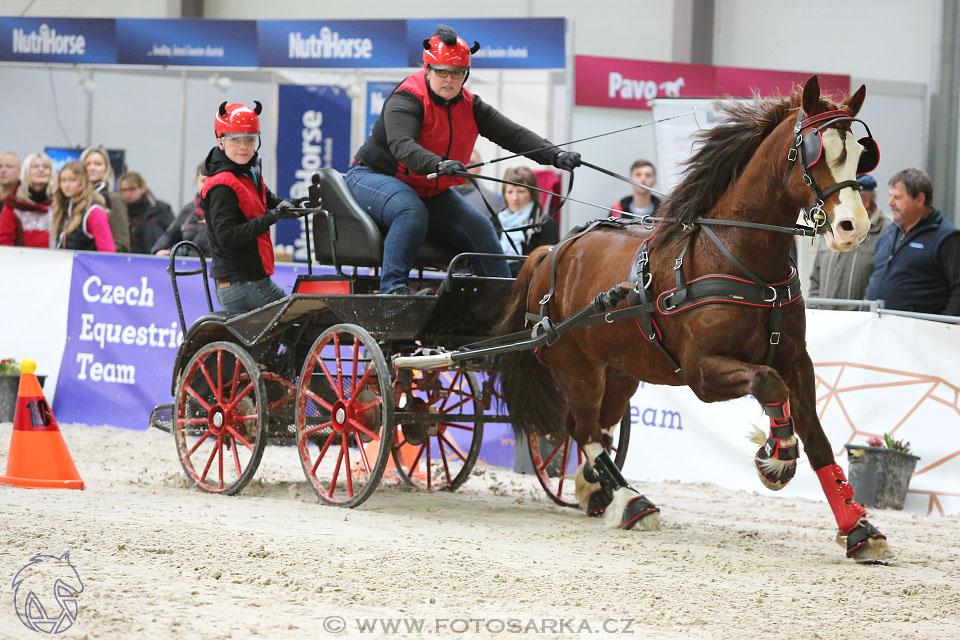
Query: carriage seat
[[359, 241]]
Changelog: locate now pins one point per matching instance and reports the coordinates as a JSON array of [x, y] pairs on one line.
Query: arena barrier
[[104, 329]]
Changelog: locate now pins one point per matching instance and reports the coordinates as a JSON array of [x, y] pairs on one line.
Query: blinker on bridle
[[808, 148]]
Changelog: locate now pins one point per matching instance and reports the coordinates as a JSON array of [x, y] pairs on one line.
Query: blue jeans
[[408, 220], [248, 295]]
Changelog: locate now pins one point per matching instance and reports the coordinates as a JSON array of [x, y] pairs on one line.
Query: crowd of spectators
[[78, 209]]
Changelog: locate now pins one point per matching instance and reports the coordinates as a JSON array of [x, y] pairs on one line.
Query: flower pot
[[879, 476], [9, 386]]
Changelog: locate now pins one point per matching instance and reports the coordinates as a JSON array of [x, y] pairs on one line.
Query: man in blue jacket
[[917, 262]]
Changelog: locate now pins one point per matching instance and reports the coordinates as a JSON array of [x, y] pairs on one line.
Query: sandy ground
[[161, 560]]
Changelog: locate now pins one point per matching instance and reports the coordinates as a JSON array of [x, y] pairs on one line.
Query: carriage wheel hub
[[340, 415], [217, 420]]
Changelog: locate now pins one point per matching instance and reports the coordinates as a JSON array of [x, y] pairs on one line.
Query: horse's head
[[830, 158]]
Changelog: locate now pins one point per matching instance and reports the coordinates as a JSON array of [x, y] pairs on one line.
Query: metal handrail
[[876, 306]]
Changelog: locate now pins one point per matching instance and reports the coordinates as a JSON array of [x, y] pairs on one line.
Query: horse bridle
[[802, 148]]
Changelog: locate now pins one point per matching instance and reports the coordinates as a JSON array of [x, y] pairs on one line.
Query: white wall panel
[[614, 28], [883, 39], [86, 8], [34, 97]]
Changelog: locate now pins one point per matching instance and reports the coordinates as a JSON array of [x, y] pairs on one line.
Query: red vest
[[252, 204], [448, 131]]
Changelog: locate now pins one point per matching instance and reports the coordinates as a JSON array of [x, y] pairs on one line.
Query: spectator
[[235, 203], [917, 263], [523, 209], [97, 162], [26, 216], [9, 173], [149, 217], [641, 202], [189, 224], [474, 192], [845, 275], [80, 221]]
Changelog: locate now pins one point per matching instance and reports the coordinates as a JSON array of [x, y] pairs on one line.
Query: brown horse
[[742, 332]]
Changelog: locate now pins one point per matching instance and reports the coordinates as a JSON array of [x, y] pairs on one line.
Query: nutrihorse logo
[[45, 593]]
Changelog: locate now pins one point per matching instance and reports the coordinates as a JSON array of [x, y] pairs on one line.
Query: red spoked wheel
[[219, 419], [438, 455], [556, 464], [344, 415]]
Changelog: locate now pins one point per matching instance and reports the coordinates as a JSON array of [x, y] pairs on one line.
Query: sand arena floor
[[496, 559]]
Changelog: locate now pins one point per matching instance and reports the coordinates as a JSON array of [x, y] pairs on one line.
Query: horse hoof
[[774, 474], [640, 514], [598, 503], [866, 544]]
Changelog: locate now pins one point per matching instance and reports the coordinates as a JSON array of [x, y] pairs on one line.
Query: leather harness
[[708, 289]]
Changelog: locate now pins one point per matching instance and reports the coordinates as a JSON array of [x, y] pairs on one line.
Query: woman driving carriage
[[429, 124], [239, 210]]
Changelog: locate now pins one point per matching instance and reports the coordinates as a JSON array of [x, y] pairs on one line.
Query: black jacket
[[149, 219], [188, 225], [232, 237], [397, 130]]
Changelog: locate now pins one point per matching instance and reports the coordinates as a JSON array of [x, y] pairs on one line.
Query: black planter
[[879, 476], [9, 385]]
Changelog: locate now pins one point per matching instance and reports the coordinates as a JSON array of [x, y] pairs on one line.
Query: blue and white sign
[[334, 43], [91, 41], [211, 43], [313, 132], [507, 43], [377, 94]]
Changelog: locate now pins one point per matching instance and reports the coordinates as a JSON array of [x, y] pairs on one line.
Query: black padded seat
[[359, 239]]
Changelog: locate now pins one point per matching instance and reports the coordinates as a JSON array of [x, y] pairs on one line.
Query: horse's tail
[[534, 402]]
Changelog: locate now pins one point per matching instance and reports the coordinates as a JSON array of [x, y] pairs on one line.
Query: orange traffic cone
[[38, 456]]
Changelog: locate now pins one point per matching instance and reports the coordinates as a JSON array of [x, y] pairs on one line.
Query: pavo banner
[[313, 132]]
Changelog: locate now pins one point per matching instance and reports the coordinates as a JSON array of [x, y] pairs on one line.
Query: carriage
[[316, 370]]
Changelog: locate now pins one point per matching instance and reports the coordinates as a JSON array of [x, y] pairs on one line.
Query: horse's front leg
[[863, 541], [718, 378]]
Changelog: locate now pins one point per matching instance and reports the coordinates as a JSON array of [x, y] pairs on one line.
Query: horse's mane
[[723, 151]]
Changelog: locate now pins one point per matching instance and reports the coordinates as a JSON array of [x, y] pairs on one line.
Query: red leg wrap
[[840, 496]]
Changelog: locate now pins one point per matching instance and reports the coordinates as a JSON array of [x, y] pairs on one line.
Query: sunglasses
[[449, 73]]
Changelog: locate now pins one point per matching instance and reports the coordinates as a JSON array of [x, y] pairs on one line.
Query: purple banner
[[122, 336]]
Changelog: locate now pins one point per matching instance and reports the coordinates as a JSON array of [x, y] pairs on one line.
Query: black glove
[[567, 160], [282, 211], [449, 167]]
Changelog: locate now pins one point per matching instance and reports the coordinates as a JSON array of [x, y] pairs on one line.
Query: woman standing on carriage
[[429, 124], [239, 210]]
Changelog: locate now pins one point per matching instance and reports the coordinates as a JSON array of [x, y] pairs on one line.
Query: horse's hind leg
[[616, 398], [722, 377], [602, 402], [863, 541]]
